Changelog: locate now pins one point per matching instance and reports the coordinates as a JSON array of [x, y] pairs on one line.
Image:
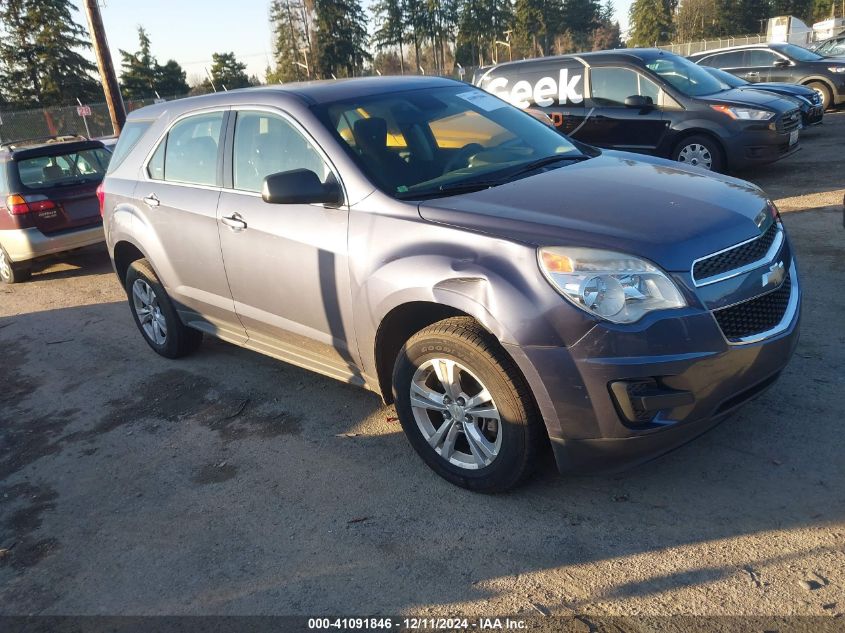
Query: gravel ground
[[229, 483]]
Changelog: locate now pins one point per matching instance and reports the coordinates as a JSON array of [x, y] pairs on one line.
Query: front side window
[[189, 152], [758, 58], [611, 86], [432, 142], [268, 144], [87, 165]]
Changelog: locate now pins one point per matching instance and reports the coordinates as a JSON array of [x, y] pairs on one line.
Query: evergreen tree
[[40, 59], [389, 16], [802, 9], [227, 72], [170, 80], [138, 74], [580, 19], [741, 17], [341, 38], [651, 23], [536, 22], [289, 42]]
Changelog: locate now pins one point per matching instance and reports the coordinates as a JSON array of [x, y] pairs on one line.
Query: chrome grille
[[790, 121], [734, 258]]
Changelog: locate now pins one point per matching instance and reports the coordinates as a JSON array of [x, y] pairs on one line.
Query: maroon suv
[[48, 200]]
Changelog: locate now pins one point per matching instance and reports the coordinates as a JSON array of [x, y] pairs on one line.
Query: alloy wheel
[[456, 414], [5, 266], [696, 155], [146, 306]]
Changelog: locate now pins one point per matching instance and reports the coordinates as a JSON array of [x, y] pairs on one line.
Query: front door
[[612, 124], [286, 263]]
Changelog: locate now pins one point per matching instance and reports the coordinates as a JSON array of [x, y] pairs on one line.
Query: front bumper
[[812, 116], [26, 244], [758, 147], [685, 354]]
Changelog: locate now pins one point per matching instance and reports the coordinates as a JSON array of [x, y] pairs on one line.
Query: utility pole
[[117, 111]]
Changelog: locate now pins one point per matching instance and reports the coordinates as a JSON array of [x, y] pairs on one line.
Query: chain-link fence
[[690, 48], [54, 121]]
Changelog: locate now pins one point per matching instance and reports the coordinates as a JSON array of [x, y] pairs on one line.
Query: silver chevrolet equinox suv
[[509, 289]]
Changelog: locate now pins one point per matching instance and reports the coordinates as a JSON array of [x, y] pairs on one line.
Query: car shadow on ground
[[91, 260]]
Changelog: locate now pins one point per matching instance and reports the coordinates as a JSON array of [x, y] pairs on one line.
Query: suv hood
[[643, 206], [745, 97]]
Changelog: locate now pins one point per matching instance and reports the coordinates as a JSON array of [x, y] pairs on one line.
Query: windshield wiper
[[449, 190], [543, 162]]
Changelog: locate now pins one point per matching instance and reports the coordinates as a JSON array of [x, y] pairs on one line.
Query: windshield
[[420, 143], [88, 165], [798, 53], [685, 76], [730, 81]]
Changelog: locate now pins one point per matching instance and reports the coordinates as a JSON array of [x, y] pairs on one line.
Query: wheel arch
[[124, 253]]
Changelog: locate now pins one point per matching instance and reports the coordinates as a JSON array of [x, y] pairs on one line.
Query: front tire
[[465, 407], [11, 273], [824, 93], [155, 314], [699, 151]]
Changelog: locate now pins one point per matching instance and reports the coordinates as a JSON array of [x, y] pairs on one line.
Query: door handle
[[234, 222], [152, 200]]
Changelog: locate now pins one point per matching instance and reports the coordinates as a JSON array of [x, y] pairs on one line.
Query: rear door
[[177, 195], [735, 62], [613, 124], [60, 187]]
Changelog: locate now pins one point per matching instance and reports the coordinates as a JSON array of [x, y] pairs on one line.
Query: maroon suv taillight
[[21, 205], [101, 198]]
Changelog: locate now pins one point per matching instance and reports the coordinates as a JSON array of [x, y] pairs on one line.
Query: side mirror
[[299, 186], [639, 101], [783, 63]]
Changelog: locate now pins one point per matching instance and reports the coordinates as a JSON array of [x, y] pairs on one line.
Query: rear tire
[[482, 432], [11, 273], [699, 151], [824, 92], [155, 315]]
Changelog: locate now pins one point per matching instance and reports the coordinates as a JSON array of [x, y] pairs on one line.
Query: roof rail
[[58, 138]]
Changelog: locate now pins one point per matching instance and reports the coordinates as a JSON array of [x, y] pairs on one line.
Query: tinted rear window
[[129, 137], [41, 172]]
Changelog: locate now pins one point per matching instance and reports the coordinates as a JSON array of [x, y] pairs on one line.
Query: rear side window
[[63, 169], [129, 137], [190, 151], [758, 58], [726, 60]]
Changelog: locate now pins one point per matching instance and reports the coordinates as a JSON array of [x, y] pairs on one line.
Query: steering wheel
[[462, 156]]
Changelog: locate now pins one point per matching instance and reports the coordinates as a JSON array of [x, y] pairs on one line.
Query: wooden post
[[117, 111]]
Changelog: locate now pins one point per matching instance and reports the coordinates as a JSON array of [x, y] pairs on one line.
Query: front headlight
[[613, 286], [744, 114], [836, 69]]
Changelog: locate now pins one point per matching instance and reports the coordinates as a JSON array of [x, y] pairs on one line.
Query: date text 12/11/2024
[[418, 624]]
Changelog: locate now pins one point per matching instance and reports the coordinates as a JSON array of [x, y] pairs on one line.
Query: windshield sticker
[[481, 100], [545, 92]]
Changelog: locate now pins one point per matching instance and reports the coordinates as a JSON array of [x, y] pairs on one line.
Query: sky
[[189, 31]]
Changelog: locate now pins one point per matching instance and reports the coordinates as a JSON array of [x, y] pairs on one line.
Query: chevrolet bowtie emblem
[[775, 275]]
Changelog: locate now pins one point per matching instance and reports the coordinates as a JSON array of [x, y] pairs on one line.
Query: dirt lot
[[229, 483]]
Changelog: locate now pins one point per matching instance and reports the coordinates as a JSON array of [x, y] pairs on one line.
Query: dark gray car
[[507, 288]]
